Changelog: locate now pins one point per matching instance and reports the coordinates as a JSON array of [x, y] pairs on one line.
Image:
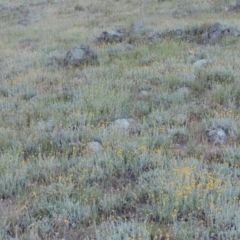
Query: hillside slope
[[134, 134]]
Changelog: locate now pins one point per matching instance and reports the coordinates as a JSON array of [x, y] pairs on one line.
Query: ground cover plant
[[141, 143]]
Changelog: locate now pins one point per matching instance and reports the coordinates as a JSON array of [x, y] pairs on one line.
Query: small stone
[[202, 63], [144, 93], [94, 146], [123, 123], [183, 90]]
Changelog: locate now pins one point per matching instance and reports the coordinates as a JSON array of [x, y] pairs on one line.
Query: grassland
[[162, 178]]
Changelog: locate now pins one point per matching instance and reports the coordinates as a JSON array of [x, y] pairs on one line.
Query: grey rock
[[94, 146], [4, 6], [79, 56], [215, 31], [215, 34], [217, 135], [110, 37], [123, 123], [202, 63], [236, 8], [144, 93], [205, 34], [183, 90]]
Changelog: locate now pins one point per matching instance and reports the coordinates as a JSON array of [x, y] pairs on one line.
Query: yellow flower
[[142, 148], [167, 236], [189, 189]]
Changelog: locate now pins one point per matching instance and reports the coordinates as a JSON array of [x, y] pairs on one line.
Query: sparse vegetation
[[142, 144]]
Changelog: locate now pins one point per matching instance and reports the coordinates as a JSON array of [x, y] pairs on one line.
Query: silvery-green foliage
[[122, 230]]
